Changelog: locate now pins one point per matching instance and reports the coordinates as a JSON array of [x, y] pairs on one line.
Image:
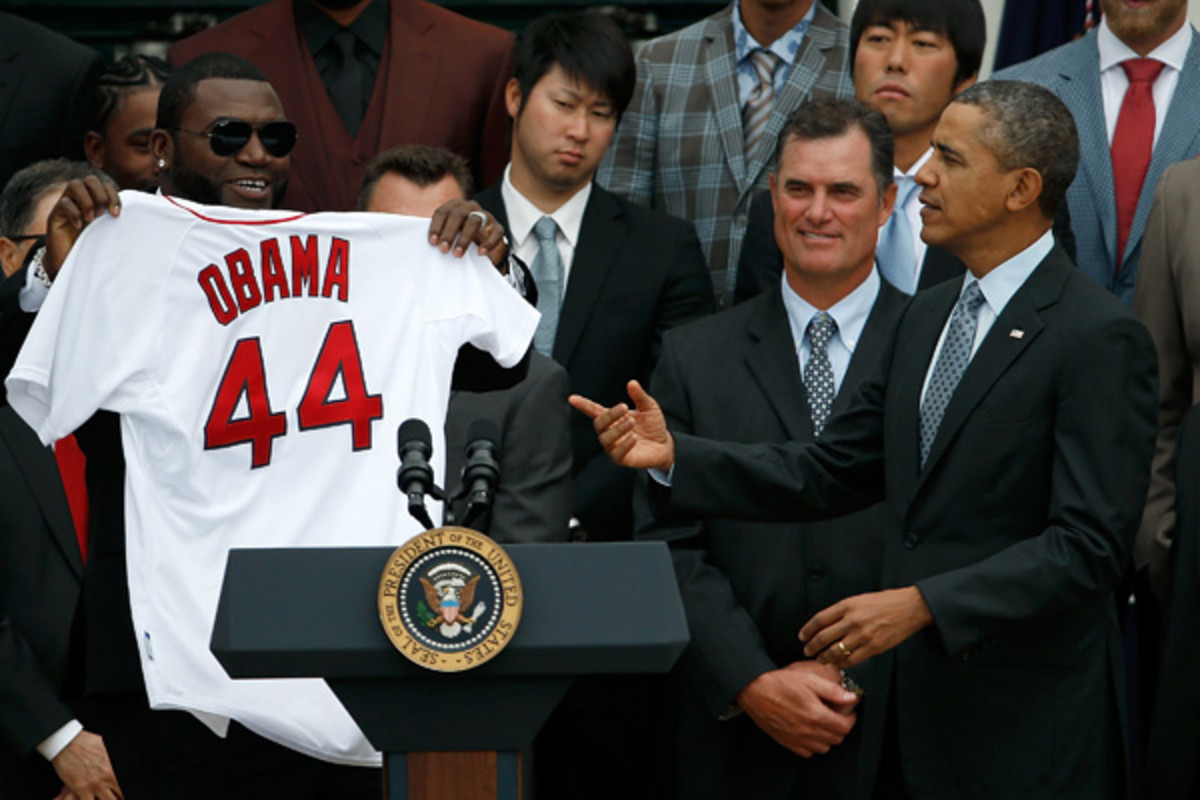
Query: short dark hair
[[128, 74], [587, 46], [828, 119], [960, 21], [1028, 126], [420, 163], [179, 92], [27, 185]]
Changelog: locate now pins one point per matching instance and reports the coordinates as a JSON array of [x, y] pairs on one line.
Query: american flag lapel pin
[[1017, 333]]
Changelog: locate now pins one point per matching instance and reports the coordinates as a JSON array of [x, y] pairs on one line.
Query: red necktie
[[1133, 143], [72, 466]]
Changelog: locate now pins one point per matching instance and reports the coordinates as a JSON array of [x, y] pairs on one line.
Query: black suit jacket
[[760, 263], [636, 273], [1015, 532], [40, 576], [1173, 755], [532, 502], [749, 587], [46, 82]]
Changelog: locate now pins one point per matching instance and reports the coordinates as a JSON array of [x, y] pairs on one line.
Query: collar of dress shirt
[[786, 46], [850, 313], [1172, 52], [999, 285], [317, 27], [523, 215], [897, 173]]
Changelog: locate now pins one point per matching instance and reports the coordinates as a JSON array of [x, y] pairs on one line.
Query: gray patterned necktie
[[548, 274], [951, 363], [762, 99], [818, 372]]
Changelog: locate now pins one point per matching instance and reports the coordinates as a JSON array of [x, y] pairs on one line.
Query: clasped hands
[[845, 634]]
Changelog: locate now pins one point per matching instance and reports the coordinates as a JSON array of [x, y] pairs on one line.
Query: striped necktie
[[762, 99]]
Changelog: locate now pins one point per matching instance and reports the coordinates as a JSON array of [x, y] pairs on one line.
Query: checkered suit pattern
[[680, 145]]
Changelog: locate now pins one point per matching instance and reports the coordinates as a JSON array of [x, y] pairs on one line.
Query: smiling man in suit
[[775, 369], [1133, 86], [359, 76], [909, 57], [1009, 427]]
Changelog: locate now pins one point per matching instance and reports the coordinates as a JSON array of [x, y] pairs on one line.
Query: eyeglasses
[[228, 136], [25, 237]]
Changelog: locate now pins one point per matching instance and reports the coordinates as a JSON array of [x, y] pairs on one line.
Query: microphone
[[482, 470], [415, 476]]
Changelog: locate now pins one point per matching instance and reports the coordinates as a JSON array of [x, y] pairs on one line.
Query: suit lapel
[[771, 359], [40, 471], [875, 337], [600, 239], [10, 79], [811, 62], [1180, 131], [1000, 348], [1079, 87], [720, 61], [923, 327], [405, 102]]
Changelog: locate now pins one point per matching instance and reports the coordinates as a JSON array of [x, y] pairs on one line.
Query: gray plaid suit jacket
[[1072, 72], [679, 147]]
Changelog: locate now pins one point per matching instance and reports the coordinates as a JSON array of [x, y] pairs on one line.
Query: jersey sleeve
[[91, 343], [491, 314]]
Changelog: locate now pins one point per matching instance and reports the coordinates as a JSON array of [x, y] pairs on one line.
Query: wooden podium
[[589, 609]]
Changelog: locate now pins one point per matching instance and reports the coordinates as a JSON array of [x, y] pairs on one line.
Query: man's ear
[[93, 149], [10, 256], [1026, 190], [512, 98], [162, 148]]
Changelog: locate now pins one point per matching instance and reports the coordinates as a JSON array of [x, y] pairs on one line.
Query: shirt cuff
[[56, 742], [662, 478], [32, 294]]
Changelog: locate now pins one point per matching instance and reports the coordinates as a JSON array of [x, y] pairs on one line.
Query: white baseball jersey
[[261, 363]]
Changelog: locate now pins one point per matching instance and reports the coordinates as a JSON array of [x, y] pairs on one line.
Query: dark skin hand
[[81, 202], [857, 628], [457, 223]]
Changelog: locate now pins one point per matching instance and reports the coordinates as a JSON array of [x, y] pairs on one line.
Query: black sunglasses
[[228, 136]]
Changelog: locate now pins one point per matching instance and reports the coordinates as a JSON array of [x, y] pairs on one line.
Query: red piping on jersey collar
[[196, 213]]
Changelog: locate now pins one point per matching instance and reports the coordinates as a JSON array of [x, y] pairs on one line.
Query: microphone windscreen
[[413, 430]]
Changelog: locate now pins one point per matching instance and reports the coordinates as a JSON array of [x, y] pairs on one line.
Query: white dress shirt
[[850, 313], [523, 215]]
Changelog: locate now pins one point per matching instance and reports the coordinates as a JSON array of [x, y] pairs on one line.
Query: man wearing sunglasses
[[221, 137]]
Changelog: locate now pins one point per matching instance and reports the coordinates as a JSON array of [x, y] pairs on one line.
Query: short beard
[[1139, 27]]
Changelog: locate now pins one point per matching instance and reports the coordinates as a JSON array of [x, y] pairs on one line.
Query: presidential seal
[[450, 599]]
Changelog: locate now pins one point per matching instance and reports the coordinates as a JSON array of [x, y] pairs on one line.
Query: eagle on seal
[[447, 606]]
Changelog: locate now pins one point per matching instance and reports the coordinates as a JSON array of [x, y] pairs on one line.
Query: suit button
[[816, 573], [911, 541]]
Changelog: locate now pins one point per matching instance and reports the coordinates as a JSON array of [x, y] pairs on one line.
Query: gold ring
[[845, 651]]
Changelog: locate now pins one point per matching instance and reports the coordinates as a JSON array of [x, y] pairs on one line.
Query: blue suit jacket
[[1073, 73]]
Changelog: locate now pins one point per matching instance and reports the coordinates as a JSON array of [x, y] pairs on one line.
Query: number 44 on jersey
[[245, 376]]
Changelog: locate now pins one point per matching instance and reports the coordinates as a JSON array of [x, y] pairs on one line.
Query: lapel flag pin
[[1017, 333]]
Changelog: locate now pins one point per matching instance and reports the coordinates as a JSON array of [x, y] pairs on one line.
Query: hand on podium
[[636, 438], [802, 706]]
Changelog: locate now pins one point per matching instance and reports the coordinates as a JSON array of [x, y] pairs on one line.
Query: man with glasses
[[44, 747], [221, 137]]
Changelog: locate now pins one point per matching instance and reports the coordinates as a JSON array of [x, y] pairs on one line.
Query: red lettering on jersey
[[220, 300], [337, 271], [340, 356], [241, 275], [305, 270], [273, 276], [244, 375]]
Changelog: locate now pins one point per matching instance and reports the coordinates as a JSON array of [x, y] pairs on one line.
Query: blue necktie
[[818, 372], [895, 255], [951, 363], [548, 274]]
